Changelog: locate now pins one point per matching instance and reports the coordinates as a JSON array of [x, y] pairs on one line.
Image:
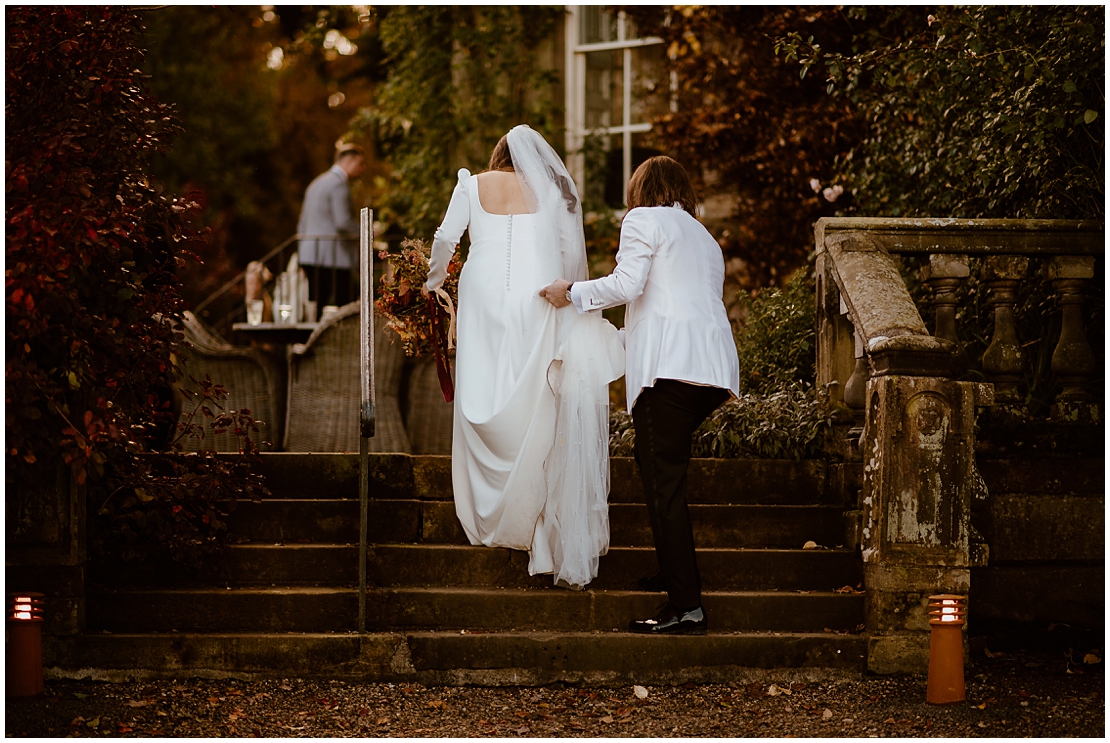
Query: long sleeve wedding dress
[[530, 458]]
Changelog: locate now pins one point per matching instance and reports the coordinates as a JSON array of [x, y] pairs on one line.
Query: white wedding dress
[[530, 449]]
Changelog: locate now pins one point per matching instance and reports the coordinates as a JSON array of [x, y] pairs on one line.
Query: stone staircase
[[285, 602]]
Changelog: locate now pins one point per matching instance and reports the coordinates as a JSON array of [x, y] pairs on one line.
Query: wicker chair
[[324, 397], [428, 419], [248, 376]]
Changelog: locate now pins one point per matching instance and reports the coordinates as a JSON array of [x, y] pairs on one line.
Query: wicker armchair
[[324, 397], [428, 419], [248, 376]]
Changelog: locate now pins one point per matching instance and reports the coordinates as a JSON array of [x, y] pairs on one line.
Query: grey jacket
[[327, 211]]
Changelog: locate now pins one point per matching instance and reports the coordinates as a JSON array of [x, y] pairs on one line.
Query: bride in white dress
[[530, 448]]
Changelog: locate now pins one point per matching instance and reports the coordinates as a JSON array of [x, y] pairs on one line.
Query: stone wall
[[1044, 521]]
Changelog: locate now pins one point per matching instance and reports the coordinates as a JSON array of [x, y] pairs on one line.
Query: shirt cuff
[[576, 296]]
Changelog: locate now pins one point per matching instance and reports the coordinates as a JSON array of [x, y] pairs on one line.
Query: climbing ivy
[[459, 78]]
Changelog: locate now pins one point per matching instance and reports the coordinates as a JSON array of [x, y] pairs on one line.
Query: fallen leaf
[[93, 723], [383, 721], [810, 545], [284, 687], [607, 719], [521, 714], [213, 700], [981, 706], [888, 721], [79, 695], [640, 692], [142, 703], [827, 715], [518, 731], [76, 721], [624, 720], [121, 728], [437, 704], [1091, 659], [577, 726]]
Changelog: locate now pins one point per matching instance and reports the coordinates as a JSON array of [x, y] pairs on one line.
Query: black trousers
[[665, 417], [323, 290]]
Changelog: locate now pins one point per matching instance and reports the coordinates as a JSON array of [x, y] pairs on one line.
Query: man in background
[[329, 250]]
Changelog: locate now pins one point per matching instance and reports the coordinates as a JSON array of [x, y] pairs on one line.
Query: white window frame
[[576, 96]]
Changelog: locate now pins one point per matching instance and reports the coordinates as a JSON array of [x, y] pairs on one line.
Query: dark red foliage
[[93, 250], [747, 127], [92, 247]]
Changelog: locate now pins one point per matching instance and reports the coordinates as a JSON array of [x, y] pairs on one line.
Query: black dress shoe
[[654, 583], [671, 621]]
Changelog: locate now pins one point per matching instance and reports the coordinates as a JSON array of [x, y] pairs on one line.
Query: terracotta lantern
[[24, 645], [947, 616]]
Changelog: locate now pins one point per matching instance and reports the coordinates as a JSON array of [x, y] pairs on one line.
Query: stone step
[[465, 566], [306, 609], [438, 658], [408, 520], [721, 569], [401, 476]]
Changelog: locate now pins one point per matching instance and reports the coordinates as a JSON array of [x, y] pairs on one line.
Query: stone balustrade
[[913, 422]]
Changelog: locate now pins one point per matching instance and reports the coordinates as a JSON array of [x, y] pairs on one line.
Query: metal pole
[[366, 419]]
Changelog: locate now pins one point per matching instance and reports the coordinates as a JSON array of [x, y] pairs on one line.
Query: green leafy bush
[[776, 344], [780, 414]]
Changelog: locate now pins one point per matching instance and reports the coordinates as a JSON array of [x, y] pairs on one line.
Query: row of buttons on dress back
[[509, 254]]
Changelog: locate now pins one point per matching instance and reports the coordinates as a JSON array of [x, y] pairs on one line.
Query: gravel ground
[[1012, 694]]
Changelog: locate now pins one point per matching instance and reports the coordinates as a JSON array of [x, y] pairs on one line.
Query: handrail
[[971, 236], [243, 274], [367, 397]]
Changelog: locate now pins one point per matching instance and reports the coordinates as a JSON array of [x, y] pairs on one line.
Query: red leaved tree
[[92, 253], [750, 129]]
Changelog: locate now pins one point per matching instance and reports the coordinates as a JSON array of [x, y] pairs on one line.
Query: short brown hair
[[344, 150], [502, 158], [661, 181]]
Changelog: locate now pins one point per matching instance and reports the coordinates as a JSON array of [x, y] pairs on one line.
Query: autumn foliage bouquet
[[399, 301]]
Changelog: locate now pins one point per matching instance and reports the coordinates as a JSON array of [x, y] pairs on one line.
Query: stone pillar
[[1003, 361], [45, 546], [1073, 362], [918, 481], [944, 274]]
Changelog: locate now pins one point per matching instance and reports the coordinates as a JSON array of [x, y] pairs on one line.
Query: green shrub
[[780, 414], [776, 344]]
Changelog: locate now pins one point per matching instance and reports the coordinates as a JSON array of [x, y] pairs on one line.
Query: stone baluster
[[855, 390], [944, 274], [1073, 362], [1003, 361]]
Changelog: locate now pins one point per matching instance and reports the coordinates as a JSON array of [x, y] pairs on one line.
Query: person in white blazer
[[681, 364]]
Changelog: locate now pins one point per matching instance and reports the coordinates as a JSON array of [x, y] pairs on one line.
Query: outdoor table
[[285, 334], [274, 340]]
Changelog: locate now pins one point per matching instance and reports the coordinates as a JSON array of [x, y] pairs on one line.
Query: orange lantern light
[[947, 617], [24, 645]]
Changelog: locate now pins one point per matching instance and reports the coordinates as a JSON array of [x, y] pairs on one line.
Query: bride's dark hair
[[661, 181], [501, 159]]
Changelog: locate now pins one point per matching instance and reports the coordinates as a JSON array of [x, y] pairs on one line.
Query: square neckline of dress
[[478, 198]]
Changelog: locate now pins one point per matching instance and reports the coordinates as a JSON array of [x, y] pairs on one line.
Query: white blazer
[[671, 274]]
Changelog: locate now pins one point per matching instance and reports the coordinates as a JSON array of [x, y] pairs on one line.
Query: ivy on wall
[[459, 78]]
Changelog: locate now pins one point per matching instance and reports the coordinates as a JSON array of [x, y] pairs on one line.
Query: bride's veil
[[573, 530], [550, 193]]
